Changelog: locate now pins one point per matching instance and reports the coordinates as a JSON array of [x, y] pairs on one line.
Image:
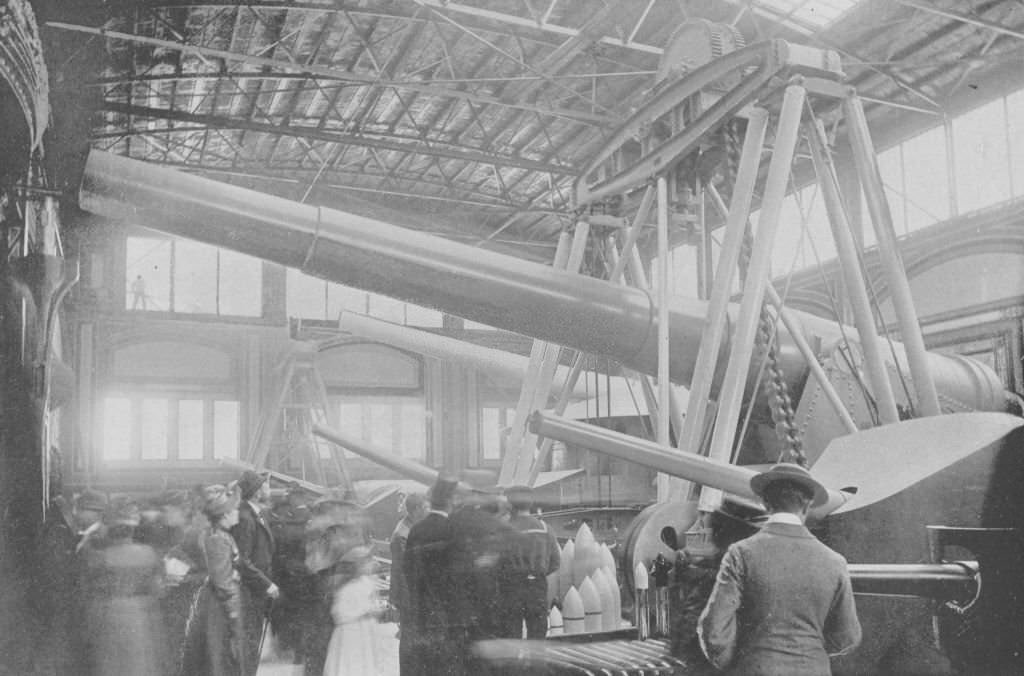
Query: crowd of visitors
[[473, 572], [189, 582]]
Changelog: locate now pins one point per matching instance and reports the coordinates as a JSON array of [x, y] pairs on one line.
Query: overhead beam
[[324, 80], [220, 122], [334, 178], [523, 25], [969, 19], [338, 74], [864, 83], [300, 176], [544, 25]]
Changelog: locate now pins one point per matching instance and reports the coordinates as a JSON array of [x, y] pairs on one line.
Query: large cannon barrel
[[733, 479], [409, 469], [940, 581], [481, 285], [506, 292]]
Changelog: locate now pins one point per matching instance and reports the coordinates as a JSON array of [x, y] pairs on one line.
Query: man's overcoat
[[782, 603]]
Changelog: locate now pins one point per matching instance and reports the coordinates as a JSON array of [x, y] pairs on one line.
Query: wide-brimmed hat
[[250, 482], [218, 500], [787, 471]]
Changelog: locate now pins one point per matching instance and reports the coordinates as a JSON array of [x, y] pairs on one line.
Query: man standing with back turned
[[532, 555], [782, 602]]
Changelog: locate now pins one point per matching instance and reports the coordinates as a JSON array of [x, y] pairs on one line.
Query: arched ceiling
[[467, 119]]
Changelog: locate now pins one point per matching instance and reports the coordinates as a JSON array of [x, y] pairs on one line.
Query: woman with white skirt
[[353, 648]]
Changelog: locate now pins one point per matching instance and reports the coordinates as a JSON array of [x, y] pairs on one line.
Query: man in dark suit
[[480, 543], [415, 508], [255, 543], [425, 646], [532, 555], [782, 602]]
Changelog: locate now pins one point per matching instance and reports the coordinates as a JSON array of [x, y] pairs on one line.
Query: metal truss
[[209, 122], [540, 28]]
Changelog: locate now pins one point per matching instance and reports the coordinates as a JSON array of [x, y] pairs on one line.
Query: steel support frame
[[888, 250], [793, 327], [721, 290], [520, 450], [853, 278], [776, 183], [615, 277]]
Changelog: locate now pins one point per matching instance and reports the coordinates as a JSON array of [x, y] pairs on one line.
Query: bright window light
[[190, 429], [117, 428], [240, 284], [393, 423], [982, 156], [225, 429], [154, 429], [413, 428], [490, 433], [805, 14]]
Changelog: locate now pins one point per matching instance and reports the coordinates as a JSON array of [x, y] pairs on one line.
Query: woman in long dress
[[123, 582], [220, 598], [353, 647]]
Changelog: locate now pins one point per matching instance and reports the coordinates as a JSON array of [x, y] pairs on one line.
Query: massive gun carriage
[[920, 477]]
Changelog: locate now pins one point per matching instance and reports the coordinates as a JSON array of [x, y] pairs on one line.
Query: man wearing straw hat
[[782, 602]]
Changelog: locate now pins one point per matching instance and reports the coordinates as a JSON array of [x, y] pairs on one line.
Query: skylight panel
[[805, 15]]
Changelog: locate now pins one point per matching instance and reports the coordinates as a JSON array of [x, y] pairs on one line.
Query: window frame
[[506, 418], [332, 295], [396, 398], [171, 311], [172, 398]]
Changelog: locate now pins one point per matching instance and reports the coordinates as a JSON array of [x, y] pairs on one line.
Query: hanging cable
[[648, 426], [869, 400], [872, 404], [877, 311]]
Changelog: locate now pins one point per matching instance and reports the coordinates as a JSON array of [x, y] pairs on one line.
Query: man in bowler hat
[[782, 602], [255, 562]]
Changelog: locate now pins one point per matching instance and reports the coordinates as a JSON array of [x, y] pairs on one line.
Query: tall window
[[925, 179], [495, 426], [312, 298], [981, 158], [394, 423], [805, 16], [803, 236], [186, 277], [145, 427], [1015, 124], [985, 160]]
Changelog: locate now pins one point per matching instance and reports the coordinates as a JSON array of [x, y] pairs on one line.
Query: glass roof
[[805, 15]]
